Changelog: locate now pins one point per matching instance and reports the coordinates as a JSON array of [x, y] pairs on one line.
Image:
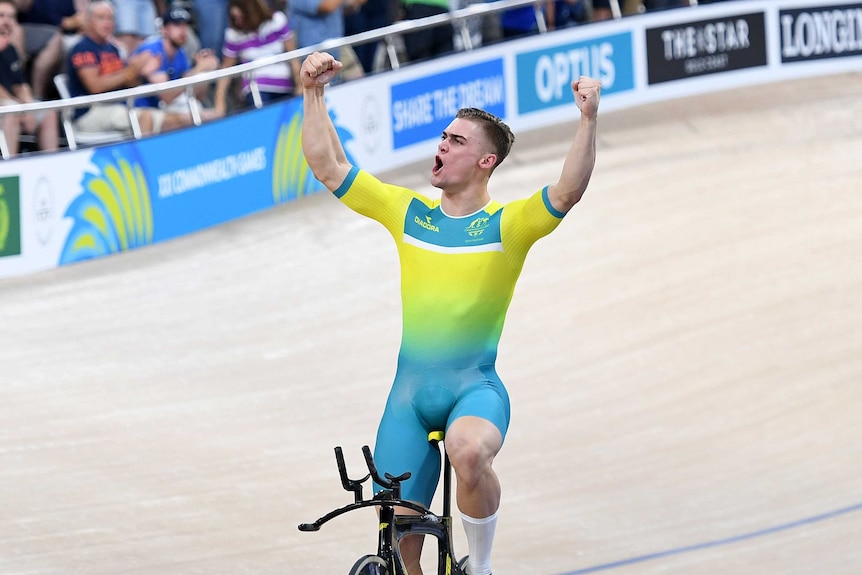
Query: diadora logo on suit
[[477, 227], [426, 223]]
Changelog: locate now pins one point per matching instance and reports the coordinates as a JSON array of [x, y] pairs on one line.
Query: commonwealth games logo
[[291, 176], [10, 217], [113, 213]]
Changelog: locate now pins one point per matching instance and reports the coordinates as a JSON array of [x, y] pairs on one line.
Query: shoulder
[[532, 217], [361, 188], [153, 45], [9, 54], [82, 45], [110, 50], [537, 203], [358, 178], [84, 53], [232, 35], [274, 26]]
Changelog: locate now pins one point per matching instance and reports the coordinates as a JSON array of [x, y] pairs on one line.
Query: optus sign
[[545, 76]]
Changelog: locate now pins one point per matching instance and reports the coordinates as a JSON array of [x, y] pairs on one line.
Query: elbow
[[569, 201], [578, 195], [325, 174], [564, 199], [319, 174]]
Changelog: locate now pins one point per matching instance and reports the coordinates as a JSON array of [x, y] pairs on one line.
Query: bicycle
[[393, 526]]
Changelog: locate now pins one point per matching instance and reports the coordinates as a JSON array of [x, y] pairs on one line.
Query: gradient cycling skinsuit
[[458, 275]]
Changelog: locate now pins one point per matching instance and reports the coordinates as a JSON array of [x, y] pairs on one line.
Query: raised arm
[[320, 144], [581, 157]]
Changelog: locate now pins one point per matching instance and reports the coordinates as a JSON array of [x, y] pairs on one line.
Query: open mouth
[[438, 165]]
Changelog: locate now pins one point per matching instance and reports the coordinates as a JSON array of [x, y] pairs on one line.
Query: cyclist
[[460, 258]]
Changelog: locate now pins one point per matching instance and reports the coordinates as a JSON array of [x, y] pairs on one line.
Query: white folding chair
[[61, 81]]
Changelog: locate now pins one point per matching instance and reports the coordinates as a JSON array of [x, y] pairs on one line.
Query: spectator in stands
[[653, 5], [135, 21], [362, 17], [630, 7], [522, 21], [15, 90], [174, 65], [212, 21], [256, 31], [568, 13], [318, 20], [601, 10], [48, 27], [94, 66], [430, 42], [474, 26]]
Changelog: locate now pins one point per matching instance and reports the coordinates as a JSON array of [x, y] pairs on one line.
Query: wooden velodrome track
[[684, 357]]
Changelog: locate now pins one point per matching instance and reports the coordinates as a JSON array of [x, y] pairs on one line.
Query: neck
[[464, 202], [170, 49], [96, 38]]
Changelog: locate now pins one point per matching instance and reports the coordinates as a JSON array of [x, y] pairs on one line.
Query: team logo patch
[[477, 227]]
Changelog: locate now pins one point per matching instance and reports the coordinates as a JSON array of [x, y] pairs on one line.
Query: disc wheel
[[369, 565]]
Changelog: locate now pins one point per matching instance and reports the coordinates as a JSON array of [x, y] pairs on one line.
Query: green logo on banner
[[10, 217]]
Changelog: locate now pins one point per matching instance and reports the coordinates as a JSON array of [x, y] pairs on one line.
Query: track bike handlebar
[[390, 496], [388, 481], [354, 485], [391, 481]]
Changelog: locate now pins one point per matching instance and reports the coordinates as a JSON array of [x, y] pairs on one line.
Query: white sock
[[480, 539]]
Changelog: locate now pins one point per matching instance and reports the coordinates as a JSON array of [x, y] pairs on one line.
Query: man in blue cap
[[169, 47]]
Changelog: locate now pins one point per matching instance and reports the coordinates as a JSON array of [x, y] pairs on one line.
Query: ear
[[488, 161]]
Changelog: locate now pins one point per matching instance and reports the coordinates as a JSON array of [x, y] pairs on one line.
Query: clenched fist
[[587, 92], [319, 69]]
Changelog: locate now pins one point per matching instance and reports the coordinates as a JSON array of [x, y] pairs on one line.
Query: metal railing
[[388, 35]]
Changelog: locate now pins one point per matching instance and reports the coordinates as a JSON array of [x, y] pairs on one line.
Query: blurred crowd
[[64, 48]]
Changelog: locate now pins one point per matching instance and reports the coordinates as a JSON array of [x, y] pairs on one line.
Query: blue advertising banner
[[422, 108], [208, 185], [545, 76], [147, 191]]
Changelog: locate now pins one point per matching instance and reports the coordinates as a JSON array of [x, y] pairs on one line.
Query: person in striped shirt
[[255, 31]]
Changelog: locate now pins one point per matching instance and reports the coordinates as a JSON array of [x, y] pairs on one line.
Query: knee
[[10, 122], [145, 119], [471, 458]]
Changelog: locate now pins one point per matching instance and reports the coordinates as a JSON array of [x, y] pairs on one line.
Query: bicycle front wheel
[[370, 565]]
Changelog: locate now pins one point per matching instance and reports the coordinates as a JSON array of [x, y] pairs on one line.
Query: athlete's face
[[461, 155]]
